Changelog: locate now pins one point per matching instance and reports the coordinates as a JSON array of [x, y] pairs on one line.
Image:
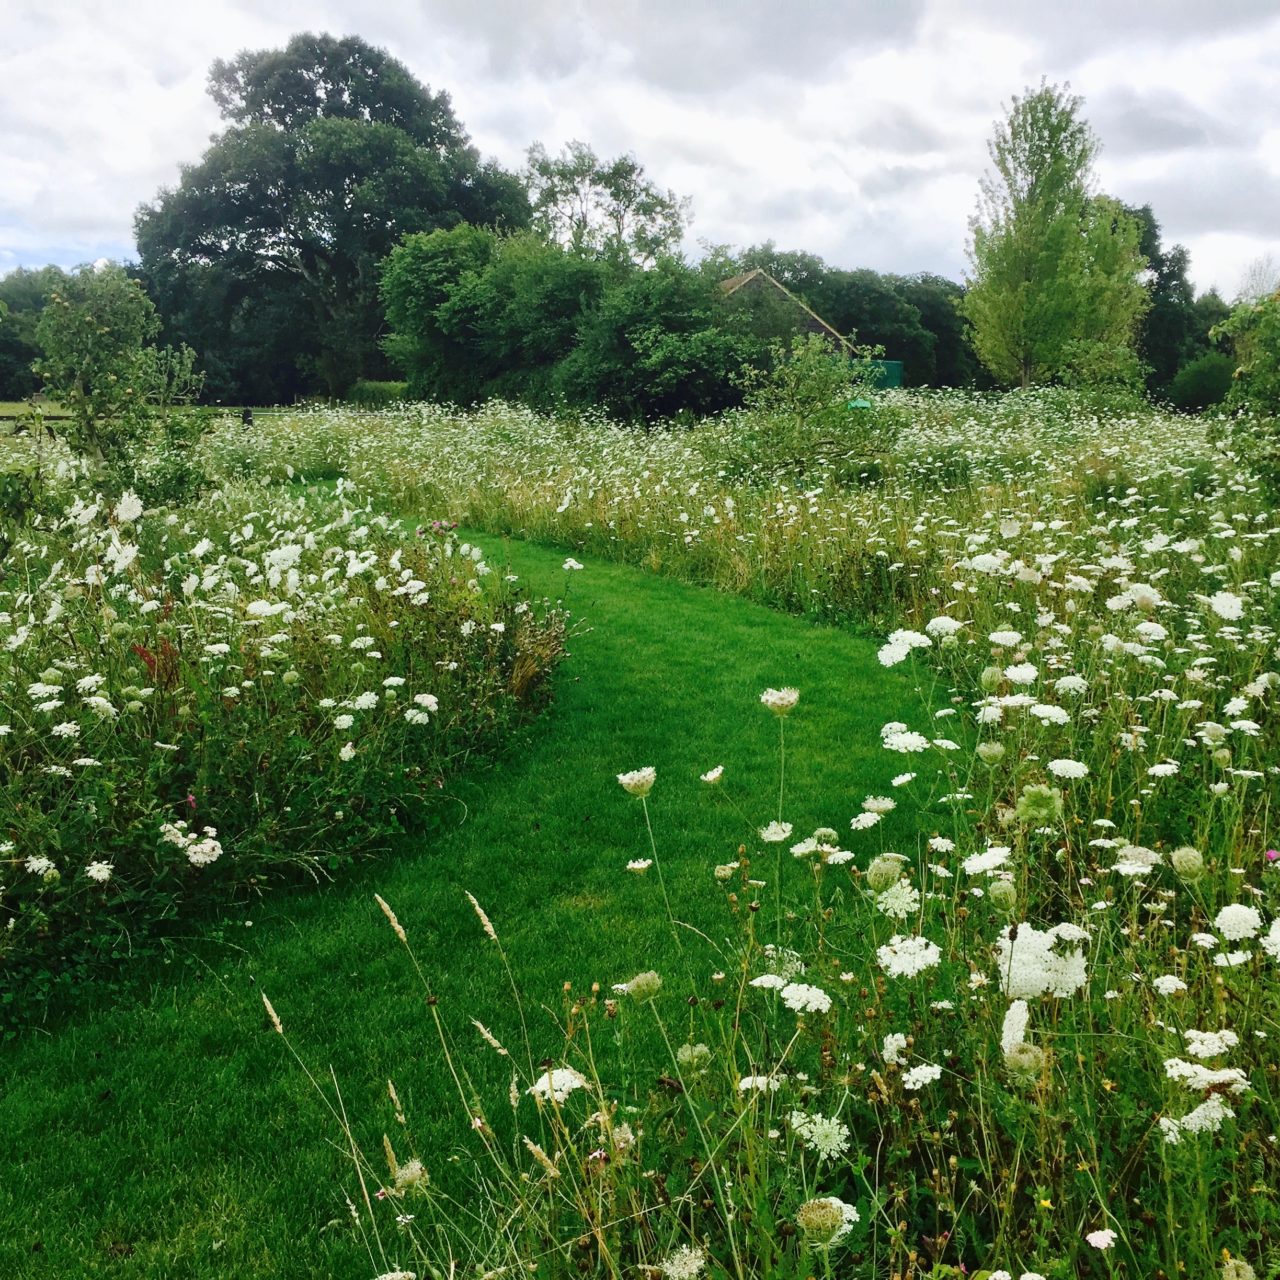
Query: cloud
[[1144, 122], [855, 131]]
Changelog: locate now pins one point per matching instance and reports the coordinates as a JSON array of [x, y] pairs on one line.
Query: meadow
[[965, 964]]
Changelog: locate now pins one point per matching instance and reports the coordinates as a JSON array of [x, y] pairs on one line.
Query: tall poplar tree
[[1056, 288]]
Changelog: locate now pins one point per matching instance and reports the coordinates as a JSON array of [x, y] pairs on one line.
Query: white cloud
[[856, 131]]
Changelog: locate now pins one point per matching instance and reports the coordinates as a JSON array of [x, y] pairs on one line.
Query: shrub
[[1203, 383], [367, 394], [251, 689]]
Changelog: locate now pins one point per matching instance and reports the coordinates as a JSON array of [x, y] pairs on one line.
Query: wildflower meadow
[[1031, 1036], [1002, 1002]]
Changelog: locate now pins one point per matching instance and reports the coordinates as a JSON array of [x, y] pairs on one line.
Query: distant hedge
[[366, 394]]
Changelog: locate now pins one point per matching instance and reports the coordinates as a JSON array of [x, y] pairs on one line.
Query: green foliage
[[914, 318], [655, 343], [474, 315], [229, 677], [121, 394], [1203, 383], [800, 416], [23, 294], [607, 207], [366, 394], [1055, 268], [1253, 329], [333, 153]]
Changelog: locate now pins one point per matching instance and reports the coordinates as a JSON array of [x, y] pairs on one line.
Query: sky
[[857, 131]]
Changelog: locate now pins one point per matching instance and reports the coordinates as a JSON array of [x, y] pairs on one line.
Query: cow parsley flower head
[[825, 1221], [800, 997], [1237, 921], [894, 1048], [1035, 962], [918, 1077], [885, 871], [556, 1085], [686, 1263], [1227, 605], [129, 508], [900, 900], [1067, 769], [639, 782], [780, 701], [825, 1136], [643, 987], [905, 957]]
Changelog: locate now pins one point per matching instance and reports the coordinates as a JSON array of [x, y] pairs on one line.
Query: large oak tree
[[333, 151]]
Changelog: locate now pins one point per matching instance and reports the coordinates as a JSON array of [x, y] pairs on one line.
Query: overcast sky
[[854, 130]]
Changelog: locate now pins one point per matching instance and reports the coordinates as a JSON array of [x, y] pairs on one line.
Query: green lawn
[[172, 1134]]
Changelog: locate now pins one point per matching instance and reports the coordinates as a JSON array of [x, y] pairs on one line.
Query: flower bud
[[1003, 895], [885, 871]]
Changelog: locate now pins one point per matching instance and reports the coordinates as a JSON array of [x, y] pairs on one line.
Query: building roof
[[734, 283]]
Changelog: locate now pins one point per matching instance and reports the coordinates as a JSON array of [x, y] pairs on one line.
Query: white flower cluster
[[825, 1136], [1035, 962], [201, 850]]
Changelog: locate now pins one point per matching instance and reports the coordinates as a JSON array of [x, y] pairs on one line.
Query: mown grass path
[[173, 1135]]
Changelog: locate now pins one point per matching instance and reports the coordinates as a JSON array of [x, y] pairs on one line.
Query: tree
[[937, 301], [1261, 278], [98, 362], [23, 294], [1166, 340], [657, 342], [333, 152], [1253, 329], [605, 207], [1055, 287]]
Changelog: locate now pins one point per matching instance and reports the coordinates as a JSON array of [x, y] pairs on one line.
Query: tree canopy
[[333, 152], [599, 206], [1055, 290]]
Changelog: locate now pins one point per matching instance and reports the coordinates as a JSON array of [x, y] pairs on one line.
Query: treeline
[[343, 227]]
